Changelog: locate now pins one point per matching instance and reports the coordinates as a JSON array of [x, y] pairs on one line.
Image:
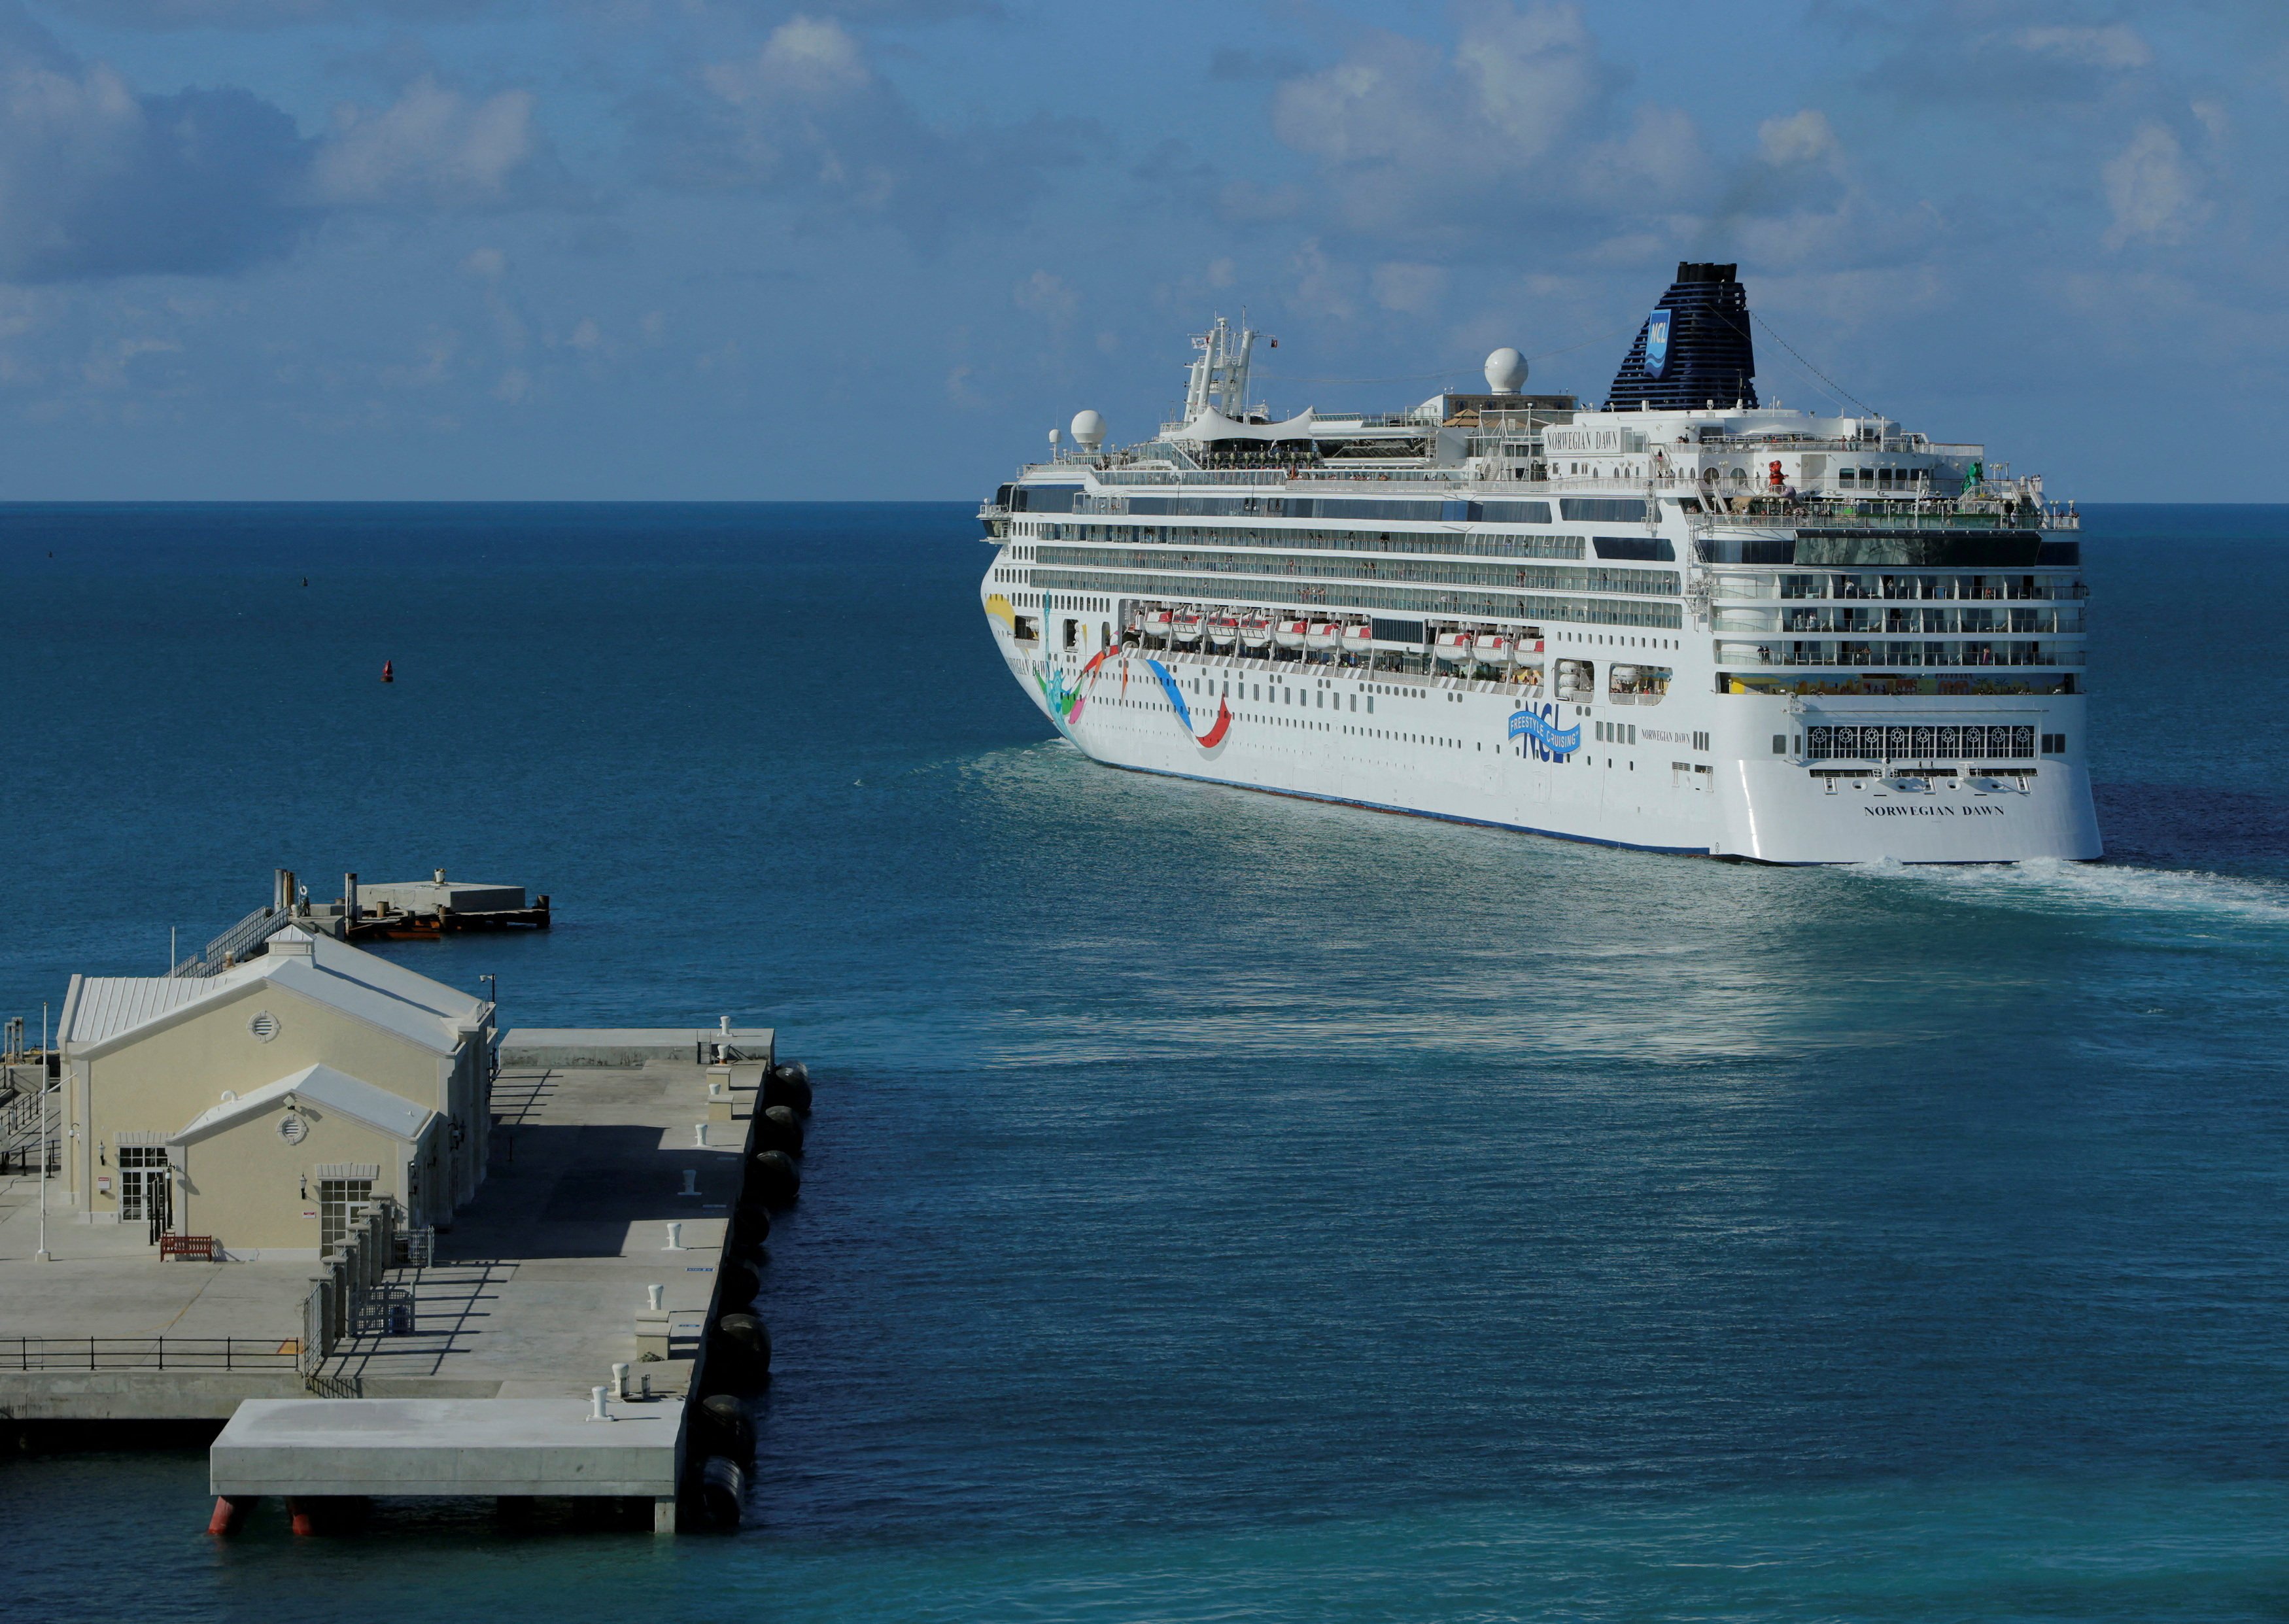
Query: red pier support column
[[230, 1513]]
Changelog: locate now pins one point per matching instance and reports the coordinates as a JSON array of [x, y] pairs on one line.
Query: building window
[[341, 1202]]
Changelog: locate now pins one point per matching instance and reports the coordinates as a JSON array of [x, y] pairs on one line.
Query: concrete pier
[[605, 1180], [364, 1449]]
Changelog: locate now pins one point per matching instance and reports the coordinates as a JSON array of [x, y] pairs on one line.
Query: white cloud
[[1415, 289], [1322, 286], [1517, 83], [2116, 45], [807, 116], [1533, 73], [1441, 146], [97, 181], [1048, 297], [804, 58], [433, 147], [1800, 138], [2153, 193], [1659, 159]]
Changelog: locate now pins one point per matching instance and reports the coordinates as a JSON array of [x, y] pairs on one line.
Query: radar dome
[[1505, 370], [1088, 429]]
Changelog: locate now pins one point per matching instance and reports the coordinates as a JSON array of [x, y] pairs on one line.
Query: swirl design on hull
[[1217, 730]]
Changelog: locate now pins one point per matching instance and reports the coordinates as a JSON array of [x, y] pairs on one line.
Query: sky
[[876, 249]]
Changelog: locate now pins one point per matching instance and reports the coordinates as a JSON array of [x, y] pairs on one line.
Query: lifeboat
[[1358, 639], [1454, 648], [1153, 623], [1491, 649], [1320, 635], [1223, 631], [1186, 627], [1289, 633], [1255, 632]]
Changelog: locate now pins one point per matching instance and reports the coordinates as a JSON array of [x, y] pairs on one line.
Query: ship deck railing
[[1870, 658], [1831, 623]]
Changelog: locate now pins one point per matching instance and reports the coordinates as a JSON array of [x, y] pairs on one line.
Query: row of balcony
[[1902, 622], [1888, 654]]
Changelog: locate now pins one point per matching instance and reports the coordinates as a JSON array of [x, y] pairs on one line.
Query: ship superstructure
[[1680, 620]]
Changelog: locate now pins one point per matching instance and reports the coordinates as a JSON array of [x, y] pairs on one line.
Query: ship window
[[1780, 744]]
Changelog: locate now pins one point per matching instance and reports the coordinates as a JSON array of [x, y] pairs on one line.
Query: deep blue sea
[[1222, 1207]]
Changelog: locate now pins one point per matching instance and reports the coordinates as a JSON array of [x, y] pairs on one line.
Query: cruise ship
[[1681, 621]]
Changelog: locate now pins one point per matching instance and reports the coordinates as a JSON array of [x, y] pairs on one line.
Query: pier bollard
[[699, 1135], [675, 1235], [620, 1381], [596, 1410], [655, 1295], [691, 1182]]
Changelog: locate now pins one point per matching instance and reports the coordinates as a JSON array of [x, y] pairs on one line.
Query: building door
[[341, 1203], [143, 1184]]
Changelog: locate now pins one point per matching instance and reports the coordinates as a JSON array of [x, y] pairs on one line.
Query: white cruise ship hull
[[1681, 621], [1445, 746]]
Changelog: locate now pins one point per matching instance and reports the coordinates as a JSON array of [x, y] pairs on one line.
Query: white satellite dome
[[1055, 437], [1088, 429], [1505, 370]]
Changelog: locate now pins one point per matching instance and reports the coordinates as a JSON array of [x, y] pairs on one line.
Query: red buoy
[[387, 675]]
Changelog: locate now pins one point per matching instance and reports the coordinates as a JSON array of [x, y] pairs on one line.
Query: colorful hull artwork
[[1066, 698], [1549, 744], [1217, 730]]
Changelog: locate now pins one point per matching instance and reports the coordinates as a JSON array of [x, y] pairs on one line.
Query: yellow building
[[253, 1171], [165, 1074]]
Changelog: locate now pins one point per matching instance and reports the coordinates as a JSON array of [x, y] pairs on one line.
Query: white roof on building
[[101, 1009], [329, 1090], [388, 976]]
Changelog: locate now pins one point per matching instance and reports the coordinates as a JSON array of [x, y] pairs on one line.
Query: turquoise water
[[1222, 1207]]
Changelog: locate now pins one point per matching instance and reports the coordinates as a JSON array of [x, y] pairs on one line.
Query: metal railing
[[26, 1131], [1896, 623], [234, 943], [1744, 654], [355, 1297], [149, 1353]]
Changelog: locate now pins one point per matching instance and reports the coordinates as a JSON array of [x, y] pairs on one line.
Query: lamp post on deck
[[42, 1255]]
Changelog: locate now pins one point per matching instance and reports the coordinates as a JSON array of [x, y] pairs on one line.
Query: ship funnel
[[1692, 349]]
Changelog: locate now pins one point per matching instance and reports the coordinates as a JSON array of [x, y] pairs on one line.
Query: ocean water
[[1222, 1207]]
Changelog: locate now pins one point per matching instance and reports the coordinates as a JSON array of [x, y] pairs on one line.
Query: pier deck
[[533, 1294]]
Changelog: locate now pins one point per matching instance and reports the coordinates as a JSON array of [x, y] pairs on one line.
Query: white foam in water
[[2054, 883]]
